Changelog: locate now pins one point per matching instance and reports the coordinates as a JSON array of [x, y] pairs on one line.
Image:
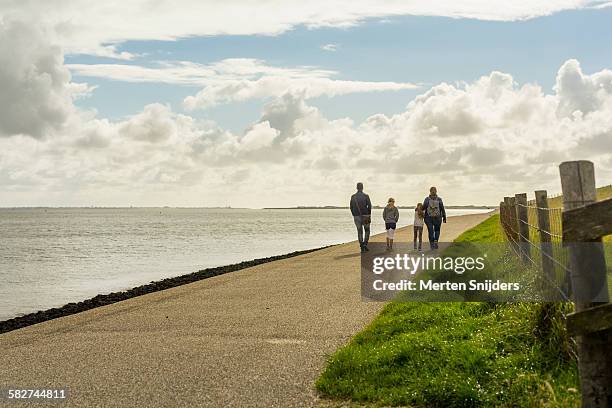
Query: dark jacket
[[442, 211], [360, 201]]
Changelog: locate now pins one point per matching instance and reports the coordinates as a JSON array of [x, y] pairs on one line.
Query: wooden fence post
[[587, 265], [512, 220], [522, 219], [506, 218], [548, 267]]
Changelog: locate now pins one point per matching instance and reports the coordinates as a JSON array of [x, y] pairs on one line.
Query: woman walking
[[434, 216], [419, 220], [391, 217]]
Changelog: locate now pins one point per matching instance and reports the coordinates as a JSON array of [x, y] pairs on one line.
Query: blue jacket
[[426, 204]]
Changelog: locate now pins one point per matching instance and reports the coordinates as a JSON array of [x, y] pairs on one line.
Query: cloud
[[98, 28], [446, 111], [190, 73], [154, 124], [237, 80], [330, 47], [290, 115], [581, 93], [270, 86], [471, 139], [260, 136], [36, 92]]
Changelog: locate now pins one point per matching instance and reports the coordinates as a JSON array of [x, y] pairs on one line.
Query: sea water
[[50, 257]]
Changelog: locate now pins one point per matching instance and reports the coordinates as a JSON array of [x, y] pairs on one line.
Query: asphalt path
[[255, 337]]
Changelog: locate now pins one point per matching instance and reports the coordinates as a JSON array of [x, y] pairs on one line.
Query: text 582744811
[[41, 394]]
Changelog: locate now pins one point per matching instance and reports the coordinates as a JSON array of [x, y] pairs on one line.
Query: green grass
[[486, 231], [458, 354], [603, 193]]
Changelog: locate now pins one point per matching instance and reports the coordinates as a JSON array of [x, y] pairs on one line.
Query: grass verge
[[458, 354]]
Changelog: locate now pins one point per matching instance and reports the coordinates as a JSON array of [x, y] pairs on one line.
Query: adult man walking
[[361, 208], [434, 216]]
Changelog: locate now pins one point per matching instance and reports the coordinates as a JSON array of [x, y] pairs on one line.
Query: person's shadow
[[355, 255]]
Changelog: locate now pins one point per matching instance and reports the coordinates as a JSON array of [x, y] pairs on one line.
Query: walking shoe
[[365, 248]]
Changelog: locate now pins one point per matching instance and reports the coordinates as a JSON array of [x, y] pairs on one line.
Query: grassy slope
[[458, 354]]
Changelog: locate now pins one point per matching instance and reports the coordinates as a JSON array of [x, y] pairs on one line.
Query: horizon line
[[299, 207]]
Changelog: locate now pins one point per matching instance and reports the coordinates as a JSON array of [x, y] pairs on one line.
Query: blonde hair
[[419, 210], [391, 200]]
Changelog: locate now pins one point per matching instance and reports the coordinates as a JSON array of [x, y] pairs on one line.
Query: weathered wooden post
[[522, 218], [512, 220], [588, 273], [501, 215], [548, 267], [587, 260], [506, 218]]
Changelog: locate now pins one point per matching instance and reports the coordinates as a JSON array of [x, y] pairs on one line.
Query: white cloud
[[330, 47], [180, 73], [154, 124], [36, 93], [242, 90], [472, 140], [261, 135], [83, 26], [579, 92], [238, 79]]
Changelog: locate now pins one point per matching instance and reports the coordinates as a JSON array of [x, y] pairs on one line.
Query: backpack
[[433, 209]]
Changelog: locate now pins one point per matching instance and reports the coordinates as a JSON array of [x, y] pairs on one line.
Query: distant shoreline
[[331, 207], [305, 207]]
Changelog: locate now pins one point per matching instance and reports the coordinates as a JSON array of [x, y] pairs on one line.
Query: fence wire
[[540, 246]]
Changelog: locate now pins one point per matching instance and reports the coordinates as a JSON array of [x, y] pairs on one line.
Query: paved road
[[255, 337]]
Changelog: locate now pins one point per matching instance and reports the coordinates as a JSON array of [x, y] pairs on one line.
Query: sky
[[251, 104]]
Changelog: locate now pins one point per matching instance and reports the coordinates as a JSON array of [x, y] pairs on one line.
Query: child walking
[[391, 217], [419, 220]]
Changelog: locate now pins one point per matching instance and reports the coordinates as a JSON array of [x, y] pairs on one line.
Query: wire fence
[[552, 251], [534, 229], [534, 232]]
